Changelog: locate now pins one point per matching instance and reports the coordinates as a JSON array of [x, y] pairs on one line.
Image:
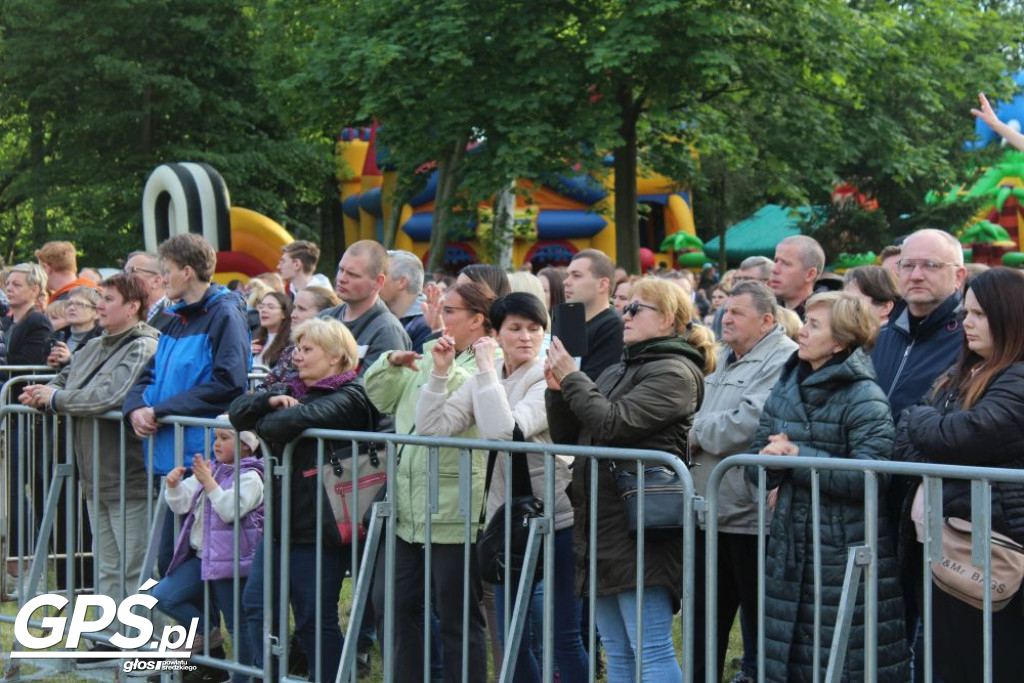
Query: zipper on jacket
[[899, 370]]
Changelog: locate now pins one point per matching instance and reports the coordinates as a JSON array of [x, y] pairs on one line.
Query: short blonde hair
[[789, 321], [35, 276], [331, 336], [671, 300], [257, 290], [853, 324], [90, 294], [528, 283]]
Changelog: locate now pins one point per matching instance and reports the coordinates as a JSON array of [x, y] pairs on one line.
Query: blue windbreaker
[[201, 365]]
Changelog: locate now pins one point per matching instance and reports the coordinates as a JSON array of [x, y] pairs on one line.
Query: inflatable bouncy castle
[[553, 220], [192, 197]]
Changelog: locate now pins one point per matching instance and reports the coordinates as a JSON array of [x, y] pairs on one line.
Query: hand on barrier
[[484, 349], [174, 476], [406, 358], [432, 307], [779, 444], [559, 360], [282, 401], [444, 355], [143, 421], [36, 395]]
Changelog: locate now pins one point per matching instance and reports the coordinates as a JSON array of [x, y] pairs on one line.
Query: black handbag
[[490, 543], [664, 498]]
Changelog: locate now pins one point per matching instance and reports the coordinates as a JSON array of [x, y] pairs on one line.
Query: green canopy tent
[[758, 235]]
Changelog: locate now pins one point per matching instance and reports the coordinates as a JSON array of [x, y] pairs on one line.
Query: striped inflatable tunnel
[[186, 197]]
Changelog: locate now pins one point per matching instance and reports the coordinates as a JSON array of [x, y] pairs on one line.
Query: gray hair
[[408, 265], [760, 295], [35, 276], [811, 253], [762, 262]]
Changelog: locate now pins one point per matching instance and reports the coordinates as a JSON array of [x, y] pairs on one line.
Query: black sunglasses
[[633, 308]]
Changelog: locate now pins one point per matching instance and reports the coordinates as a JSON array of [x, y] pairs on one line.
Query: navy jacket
[[906, 365], [201, 365]]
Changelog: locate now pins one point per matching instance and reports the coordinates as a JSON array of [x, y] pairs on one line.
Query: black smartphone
[[569, 324]]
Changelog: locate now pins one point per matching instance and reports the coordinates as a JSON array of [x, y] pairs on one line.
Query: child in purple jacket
[[205, 548]]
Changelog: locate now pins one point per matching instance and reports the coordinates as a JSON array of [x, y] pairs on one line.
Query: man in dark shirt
[[588, 281]]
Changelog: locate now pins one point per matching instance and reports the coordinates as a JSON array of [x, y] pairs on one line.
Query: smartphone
[[569, 324]]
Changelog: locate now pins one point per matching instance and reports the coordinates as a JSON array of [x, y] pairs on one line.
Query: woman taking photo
[[394, 383], [503, 394], [827, 404], [96, 380], [325, 394], [80, 312], [274, 332], [646, 401], [975, 416], [308, 303]]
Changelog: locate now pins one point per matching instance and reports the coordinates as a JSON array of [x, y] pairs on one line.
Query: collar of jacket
[[213, 292], [764, 347], [660, 347], [139, 329], [945, 314], [856, 366]]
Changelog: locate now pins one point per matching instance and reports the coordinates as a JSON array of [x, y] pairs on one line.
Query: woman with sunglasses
[[975, 416], [646, 401]]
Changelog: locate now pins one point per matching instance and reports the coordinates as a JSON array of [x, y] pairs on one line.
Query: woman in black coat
[[326, 394], [975, 416], [827, 404]]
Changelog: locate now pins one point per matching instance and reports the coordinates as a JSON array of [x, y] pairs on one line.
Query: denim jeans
[[304, 595], [569, 654], [180, 596], [616, 618]]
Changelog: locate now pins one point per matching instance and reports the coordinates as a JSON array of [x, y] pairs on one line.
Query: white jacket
[[496, 407]]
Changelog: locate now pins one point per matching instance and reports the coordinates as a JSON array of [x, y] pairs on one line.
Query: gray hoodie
[[734, 396]]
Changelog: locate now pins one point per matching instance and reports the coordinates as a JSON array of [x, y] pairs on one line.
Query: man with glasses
[[147, 266]]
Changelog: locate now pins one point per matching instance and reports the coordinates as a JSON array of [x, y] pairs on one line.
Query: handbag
[[368, 471], [492, 563], [956, 574], [664, 498]]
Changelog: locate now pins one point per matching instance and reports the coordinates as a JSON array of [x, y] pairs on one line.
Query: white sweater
[[179, 499], [496, 407]]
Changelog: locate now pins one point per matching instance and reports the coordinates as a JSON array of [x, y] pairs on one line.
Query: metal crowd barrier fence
[[862, 559]]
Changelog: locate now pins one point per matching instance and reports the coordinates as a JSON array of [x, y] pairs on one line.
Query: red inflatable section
[[239, 262]]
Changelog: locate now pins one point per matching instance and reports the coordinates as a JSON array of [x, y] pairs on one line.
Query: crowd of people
[[908, 360]]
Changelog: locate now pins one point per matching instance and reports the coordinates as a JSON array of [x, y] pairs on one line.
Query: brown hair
[[601, 267], [376, 256], [556, 284], [272, 352], [478, 298], [132, 288], [192, 251], [60, 256], [877, 283], [324, 298], [671, 300], [494, 277], [305, 251], [853, 324], [1000, 293]]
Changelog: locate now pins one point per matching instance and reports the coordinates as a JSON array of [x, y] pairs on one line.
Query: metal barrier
[[863, 559]]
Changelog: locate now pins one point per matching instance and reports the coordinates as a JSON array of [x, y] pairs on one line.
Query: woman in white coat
[[505, 393]]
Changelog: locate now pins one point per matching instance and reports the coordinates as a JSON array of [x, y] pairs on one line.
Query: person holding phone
[[646, 401]]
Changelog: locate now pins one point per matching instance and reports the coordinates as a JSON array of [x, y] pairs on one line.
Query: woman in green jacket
[[827, 404], [393, 384]]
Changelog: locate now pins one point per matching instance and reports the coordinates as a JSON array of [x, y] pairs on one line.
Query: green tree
[[96, 95]]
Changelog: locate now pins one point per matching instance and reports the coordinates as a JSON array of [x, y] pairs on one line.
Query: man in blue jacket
[[201, 362]]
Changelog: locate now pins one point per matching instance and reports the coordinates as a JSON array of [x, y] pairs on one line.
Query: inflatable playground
[[553, 221], [191, 197]]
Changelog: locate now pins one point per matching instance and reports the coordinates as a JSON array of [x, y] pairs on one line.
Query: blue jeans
[[304, 594], [616, 619], [569, 654], [180, 596]]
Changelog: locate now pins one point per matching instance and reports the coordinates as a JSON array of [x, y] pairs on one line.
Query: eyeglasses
[[634, 308], [80, 304], [907, 266], [447, 310], [130, 270], [747, 278]]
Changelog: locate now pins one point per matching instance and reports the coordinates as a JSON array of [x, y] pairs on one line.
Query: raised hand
[[405, 358], [443, 354]]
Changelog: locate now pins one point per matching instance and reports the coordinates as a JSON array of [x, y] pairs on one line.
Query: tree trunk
[[37, 154], [627, 224], [391, 225], [721, 226], [332, 230], [447, 182], [504, 225]]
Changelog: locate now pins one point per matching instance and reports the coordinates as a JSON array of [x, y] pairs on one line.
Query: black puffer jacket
[[647, 401], [836, 412], [325, 405], [989, 434]]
